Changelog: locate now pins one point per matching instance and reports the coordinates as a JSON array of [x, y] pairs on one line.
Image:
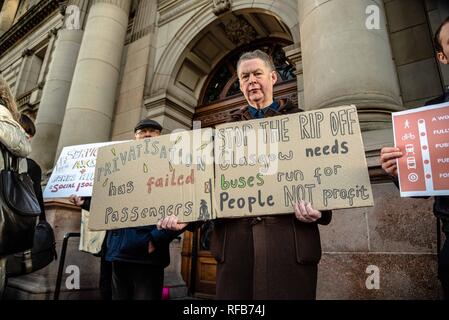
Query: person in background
[[389, 156], [34, 170], [12, 138], [138, 255]]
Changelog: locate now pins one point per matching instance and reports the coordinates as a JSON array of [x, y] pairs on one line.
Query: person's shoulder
[[4, 112], [288, 106], [240, 114]]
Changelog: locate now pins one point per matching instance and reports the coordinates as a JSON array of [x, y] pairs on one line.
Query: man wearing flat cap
[[138, 255], [147, 128]]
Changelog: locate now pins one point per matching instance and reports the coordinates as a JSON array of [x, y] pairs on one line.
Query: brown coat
[[269, 257]]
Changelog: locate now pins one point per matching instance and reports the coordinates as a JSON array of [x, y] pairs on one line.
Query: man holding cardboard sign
[[269, 257], [138, 255], [262, 257], [270, 161]]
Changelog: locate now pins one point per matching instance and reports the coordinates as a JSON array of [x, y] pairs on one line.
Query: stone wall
[[396, 235], [411, 41]]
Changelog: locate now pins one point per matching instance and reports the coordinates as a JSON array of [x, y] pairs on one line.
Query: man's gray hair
[[257, 54]]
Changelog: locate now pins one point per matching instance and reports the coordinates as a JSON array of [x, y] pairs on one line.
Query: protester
[[14, 140], [267, 257], [138, 255], [389, 156]]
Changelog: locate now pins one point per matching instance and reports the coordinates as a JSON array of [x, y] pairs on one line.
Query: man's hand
[[388, 156], [151, 247], [305, 213], [171, 223], [77, 201]]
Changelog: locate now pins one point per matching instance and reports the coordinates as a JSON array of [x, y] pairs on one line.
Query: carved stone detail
[[27, 53], [239, 31], [221, 6], [53, 32]]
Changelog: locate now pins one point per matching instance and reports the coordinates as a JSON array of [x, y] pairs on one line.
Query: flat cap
[[147, 123]]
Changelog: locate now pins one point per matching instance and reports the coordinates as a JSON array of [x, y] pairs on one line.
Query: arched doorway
[[219, 96]]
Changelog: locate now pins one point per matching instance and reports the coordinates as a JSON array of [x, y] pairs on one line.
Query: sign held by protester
[[264, 166], [139, 182], [422, 134], [74, 171]]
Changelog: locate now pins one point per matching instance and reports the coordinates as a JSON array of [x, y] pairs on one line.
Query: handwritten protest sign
[[139, 182], [74, 171], [264, 166], [261, 167], [422, 134]]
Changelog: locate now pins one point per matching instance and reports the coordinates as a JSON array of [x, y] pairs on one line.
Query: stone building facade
[[88, 70]]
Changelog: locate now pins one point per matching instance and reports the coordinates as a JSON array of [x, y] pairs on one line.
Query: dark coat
[[269, 257]]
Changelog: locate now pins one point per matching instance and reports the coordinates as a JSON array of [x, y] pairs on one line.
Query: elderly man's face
[[444, 40], [256, 82], [146, 133]]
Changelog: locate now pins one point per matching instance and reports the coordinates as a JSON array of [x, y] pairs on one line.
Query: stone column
[[26, 73], [51, 35], [56, 90], [7, 15], [92, 96], [54, 97], [347, 63]]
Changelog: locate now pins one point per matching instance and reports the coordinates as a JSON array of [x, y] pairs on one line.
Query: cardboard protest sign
[[422, 134], [74, 171], [139, 182], [264, 166]]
